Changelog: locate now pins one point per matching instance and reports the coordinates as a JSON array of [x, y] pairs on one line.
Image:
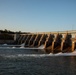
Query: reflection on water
[[35, 62]]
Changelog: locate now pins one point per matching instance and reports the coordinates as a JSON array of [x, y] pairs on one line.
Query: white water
[[33, 55], [22, 47], [41, 47], [37, 55]]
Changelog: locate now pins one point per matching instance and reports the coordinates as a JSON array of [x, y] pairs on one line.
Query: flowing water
[[36, 62]]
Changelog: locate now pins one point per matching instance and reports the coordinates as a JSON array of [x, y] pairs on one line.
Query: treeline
[[6, 34], [12, 32]]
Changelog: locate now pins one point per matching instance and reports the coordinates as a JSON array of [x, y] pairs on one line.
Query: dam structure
[[53, 42]]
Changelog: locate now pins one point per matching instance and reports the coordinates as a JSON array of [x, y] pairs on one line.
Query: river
[[36, 62]]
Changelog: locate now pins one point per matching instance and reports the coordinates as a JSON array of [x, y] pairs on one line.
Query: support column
[[48, 43], [73, 42], [73, 46], [24, 38], [19, 41], [36, 41], [27, 40], [66, 45], [43, 39], [32, 39], [56, 44]]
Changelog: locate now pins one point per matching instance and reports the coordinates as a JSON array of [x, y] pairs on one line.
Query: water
[[36, 62]]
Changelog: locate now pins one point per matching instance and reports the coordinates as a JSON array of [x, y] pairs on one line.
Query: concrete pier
[[17, 37], [42, 39], [56, 44], [20, 39], [24, 38], [31, 40], [27, 40], [73, 46], [66, 45], [48, 43], [73, 42], [36, 41]]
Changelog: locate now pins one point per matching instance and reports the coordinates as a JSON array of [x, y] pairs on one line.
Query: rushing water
[[36, 62]]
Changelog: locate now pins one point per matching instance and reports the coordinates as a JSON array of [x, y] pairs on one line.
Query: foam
[[66, 54], [37, 55], [24, 55], [41, 47], [34, 55]]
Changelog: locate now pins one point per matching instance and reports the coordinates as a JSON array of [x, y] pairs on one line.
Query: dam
[[53, 42]]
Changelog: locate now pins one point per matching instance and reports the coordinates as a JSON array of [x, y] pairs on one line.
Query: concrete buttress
[[36, 41], [27, 40], [66, 44], [48, 43], [56, 44]]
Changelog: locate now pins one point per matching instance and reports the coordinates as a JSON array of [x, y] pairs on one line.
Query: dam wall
[[52, 41]]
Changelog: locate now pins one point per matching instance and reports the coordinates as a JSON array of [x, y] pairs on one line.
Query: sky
[[38, 15]]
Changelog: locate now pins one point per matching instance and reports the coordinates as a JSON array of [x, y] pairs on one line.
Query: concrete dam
[[53, 42]]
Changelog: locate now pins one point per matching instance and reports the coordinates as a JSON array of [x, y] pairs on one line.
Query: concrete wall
[[6, 41]]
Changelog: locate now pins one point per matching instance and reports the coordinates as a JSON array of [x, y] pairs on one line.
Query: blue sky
[[38, 15]]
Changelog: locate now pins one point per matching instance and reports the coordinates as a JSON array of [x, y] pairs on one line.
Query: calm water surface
[[35, 62]]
